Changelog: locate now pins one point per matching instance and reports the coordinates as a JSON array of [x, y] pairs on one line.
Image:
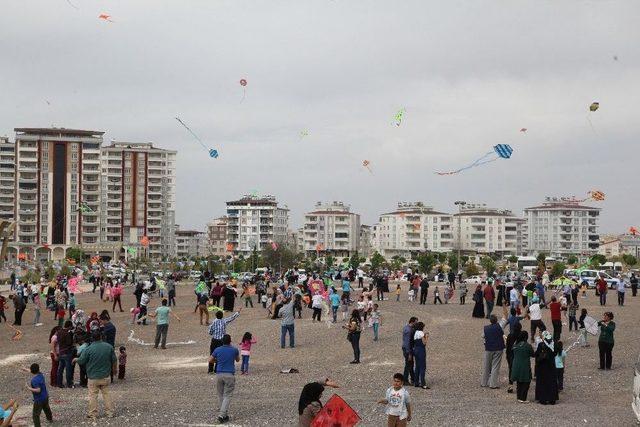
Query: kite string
[[474, 164], [192, 133]]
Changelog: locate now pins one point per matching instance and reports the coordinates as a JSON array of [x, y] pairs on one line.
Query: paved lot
[[171, 387]]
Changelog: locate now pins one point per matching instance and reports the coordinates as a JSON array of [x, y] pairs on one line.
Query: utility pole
[[460, 204]]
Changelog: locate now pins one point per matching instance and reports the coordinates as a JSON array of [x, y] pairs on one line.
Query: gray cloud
[[470, 75]]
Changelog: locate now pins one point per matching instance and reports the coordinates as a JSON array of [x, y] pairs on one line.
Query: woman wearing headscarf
[[354, 328], [520, 371], [420, 339], [478, 308], [512, 338], [605, 342], [309, 403], [546, 382], [229, 294]]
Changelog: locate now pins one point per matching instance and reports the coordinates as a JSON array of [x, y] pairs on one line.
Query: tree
[[572, 260], [488, 264], [471, 269], [283, 257], [597, 260], [557, 270], [75, 253], [629, 260], [397, 261], [354, 262], [442, 257], [377, 261], [329, 261], [513, 259], [453, 261], [426, 261], [542, 257]]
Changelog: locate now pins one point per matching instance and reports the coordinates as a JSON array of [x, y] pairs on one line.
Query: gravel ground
[[171, 386]]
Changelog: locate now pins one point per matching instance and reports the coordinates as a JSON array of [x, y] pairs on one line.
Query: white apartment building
[[57, 171], [366, 244], [413, 227], [255, 222], [333, 229], [481, 229], [560, 227], [191, 243], [138, 197], [7, 179], [217, 237]]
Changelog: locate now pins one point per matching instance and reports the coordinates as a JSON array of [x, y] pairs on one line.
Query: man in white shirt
[[360, 275], [535, 314], [514, 298], [621, 291], [144, 301]]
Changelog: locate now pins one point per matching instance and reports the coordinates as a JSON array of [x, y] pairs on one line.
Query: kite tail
[[474, 164], [192, 133], [244, 94], [591, 124]]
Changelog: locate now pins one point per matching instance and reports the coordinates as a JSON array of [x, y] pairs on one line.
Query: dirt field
[[171, 387]]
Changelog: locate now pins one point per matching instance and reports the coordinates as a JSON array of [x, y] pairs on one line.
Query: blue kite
[[503, 151]]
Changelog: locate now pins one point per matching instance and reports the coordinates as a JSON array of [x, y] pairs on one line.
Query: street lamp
[[459, 204]]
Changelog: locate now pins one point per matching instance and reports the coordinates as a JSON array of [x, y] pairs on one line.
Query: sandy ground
[[171, 386]]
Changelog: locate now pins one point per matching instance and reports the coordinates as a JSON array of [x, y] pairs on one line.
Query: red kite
[[105, 17], [336, 412]]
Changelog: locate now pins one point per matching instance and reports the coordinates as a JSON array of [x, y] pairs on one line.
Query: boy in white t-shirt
[[398, 403]]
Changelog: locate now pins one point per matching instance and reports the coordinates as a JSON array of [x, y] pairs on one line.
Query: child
[[37, 305], [38, 387], [411, 294], [72, 304], [134, 314], [263, 299], [561, 355], [122, 362], [583, 329], [571, 312], [436, 296], [345, 306], [583, 287], [245, 352], [8, 410], [398, 290], [398, 403], [374, 321], [447, 294]]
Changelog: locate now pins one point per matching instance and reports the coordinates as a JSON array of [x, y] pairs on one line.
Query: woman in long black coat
[[478, 308], [229, 294], [546, 381]]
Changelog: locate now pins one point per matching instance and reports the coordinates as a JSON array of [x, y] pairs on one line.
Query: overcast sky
[[470, 74]]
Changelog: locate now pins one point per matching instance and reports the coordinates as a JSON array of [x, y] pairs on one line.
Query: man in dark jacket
[[424, 290], [493, 348]]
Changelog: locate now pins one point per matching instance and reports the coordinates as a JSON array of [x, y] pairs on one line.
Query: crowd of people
[[87, 343]]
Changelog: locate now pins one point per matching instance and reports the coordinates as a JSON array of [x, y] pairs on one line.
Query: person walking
[[493, 348], [116, 292], [634, 284], [408, 333], [601, 286], [478, 307], [489, 297], [287, 325], [535, 315], [556, 318], [354, 328], [420, 339], [546, 378], [462, 290], [424, 290], [162, 323], [621, 291], [99, 360], [225, 358], [605, 341], [217, 330]]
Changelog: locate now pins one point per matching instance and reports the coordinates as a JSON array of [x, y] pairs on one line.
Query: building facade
[[58, 172], [191, 244], [217, 237], [413, 227], [255, 222], [481, 229], [333, 229], [560, 227], [138, 197], [365, 248], [7, 179]]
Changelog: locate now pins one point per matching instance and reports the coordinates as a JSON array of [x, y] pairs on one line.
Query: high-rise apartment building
[[138, 197], [7, 179], [413, 227], [217, 237], [478, 228], [58, 171], [255, 222], [561, 226], [332, 228]]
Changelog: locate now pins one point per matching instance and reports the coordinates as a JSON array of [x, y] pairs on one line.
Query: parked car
[[473, 280], [589, 276]]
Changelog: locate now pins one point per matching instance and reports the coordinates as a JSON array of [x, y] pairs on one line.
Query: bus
[[529, 264]]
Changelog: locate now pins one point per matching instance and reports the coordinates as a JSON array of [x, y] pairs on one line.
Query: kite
[[596, 195], [83, 208], [214, 307], [336, 412], [17, 333], [366, 163], [398, 117], [243, 83], [144, 241], [503, 151], [105, 17], [615, 57], [591, 325], [274, 246], [633, 231], [524, 130], [594, 106], [132, 251], [303, 134], [319, 247], [229, 247], [212, 152]]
